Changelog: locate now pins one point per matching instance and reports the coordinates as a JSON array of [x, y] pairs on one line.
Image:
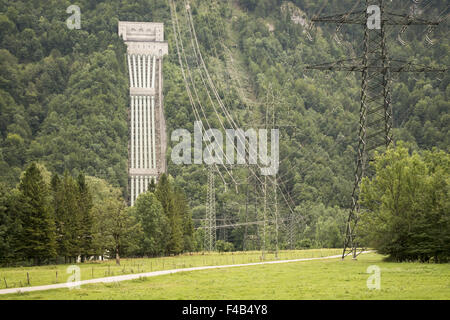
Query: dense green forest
[[64, 98], [52, 218]]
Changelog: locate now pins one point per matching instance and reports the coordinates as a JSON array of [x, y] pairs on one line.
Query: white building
[[147, 146]]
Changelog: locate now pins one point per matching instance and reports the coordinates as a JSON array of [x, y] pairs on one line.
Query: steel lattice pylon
[[210, 219], [375, 122]]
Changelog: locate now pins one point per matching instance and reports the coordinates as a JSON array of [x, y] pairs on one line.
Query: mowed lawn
[[320, 279]]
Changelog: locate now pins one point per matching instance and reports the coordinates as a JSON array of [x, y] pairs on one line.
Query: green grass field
[[17, 277], [320, 279]]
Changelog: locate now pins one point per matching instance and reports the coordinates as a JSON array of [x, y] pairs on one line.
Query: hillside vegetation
[[64, 98]]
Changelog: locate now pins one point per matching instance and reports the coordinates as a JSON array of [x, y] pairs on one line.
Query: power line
[[213, 88], [179, 43], [375, 121], [209, 85]]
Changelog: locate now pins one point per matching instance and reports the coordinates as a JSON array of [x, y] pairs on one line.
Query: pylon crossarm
[[394, 19], [409, 66], [340, 65], [357, 17], [388, 18], [358, 66]]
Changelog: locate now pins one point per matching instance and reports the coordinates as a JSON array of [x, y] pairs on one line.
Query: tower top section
[[144, 37]]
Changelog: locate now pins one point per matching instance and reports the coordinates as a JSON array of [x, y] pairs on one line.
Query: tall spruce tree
[[183, 211], [85, 211], [165, 194], [6, 250], [71, 217], [59, 215], [14, 207], [38, 227]]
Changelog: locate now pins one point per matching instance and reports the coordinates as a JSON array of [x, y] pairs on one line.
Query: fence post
[[28, 278]]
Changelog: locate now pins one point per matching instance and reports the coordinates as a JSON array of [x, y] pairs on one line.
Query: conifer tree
[[58, 213], [71, 217], [164, 193], [38, 227], [183, 211], [85, 211], [6, 250]]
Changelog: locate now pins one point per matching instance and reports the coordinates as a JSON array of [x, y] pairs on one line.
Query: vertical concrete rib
[[130, 72], [153, 71], [149, 133], [141, 153], [145, 125], [132, 133], [134, 71], [162, 123], [148, 71], [132, 191], [136, 136], [153, 133], [144, 70], [140, 71]]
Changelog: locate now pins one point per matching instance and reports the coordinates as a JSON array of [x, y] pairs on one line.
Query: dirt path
[[151, 274]]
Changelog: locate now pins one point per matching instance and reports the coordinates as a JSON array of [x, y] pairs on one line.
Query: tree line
[[50, 218]]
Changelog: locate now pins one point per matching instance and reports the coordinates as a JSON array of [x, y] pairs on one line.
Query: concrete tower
[[147, 146]]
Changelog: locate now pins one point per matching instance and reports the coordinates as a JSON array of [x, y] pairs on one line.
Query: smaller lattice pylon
[[210, 218]]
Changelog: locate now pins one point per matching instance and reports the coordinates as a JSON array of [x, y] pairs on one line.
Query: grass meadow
[[51, 274], [319, 279]]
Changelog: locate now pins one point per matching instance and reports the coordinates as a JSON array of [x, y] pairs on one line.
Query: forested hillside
[[64, 98]]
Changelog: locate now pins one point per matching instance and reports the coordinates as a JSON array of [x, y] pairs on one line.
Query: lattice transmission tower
[[210, 218], [375, 65]]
